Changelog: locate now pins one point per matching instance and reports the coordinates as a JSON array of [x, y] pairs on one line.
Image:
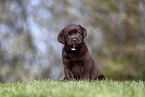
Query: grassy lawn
[[51, 88]]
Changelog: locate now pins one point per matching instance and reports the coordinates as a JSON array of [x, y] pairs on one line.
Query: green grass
[[51, 88]]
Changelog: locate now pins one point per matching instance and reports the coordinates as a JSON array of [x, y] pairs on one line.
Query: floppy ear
[[84, 30], [60, 37]]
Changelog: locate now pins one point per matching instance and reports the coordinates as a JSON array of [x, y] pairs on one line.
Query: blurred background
[[28, 30]]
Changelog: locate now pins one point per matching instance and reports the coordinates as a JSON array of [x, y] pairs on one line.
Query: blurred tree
[[121, 23]]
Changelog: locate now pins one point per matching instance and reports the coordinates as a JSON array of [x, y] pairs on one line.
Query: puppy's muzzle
[[74, 41]]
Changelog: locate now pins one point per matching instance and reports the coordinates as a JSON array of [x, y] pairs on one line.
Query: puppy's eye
[[78, 32], [67, 34]]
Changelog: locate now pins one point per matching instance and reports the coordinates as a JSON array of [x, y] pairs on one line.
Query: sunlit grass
[[51, 88]]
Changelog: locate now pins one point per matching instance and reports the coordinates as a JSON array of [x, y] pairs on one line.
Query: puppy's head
[[72, 35]]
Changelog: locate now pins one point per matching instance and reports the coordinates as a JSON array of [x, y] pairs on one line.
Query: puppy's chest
[[73, 56], [77, 67]]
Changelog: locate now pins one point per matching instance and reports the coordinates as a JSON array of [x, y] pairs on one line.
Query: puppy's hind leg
[[101, 77]]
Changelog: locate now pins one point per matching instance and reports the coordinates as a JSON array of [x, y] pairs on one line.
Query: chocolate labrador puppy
[[77, 61]]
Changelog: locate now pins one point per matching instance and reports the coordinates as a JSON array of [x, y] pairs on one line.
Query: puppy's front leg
[[68, 74], [84, 73]]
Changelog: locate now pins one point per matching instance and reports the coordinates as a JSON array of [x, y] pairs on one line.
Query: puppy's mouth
[[73, 48]]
